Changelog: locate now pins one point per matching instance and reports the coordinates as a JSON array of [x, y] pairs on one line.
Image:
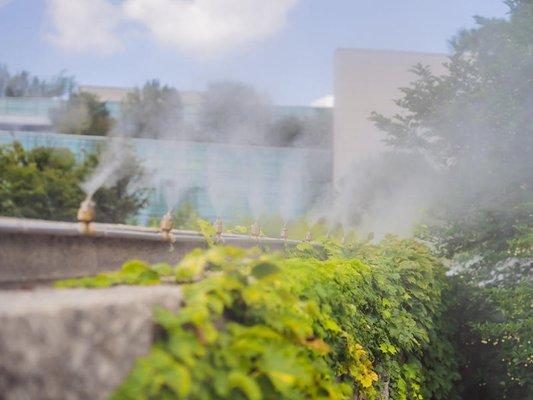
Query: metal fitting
[[165, 225], [86, 214]]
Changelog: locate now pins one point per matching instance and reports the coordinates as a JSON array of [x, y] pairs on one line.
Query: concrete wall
[[34, 252], [366, 81], [76, 344]]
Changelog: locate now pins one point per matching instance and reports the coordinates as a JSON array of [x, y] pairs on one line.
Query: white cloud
[[326, 101], [189, 25], [84, 25], [209, 25]]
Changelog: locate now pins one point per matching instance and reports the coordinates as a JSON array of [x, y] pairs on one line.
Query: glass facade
[[114, 108], [27, 106], [230, 181]]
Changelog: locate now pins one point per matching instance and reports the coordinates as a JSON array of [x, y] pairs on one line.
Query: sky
[[282, 47]]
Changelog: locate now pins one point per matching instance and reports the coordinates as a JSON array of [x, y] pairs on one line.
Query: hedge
[[305, 325]]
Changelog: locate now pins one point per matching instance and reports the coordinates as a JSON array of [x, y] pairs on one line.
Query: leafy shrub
[[475, 121], [493, 335], [82, 114], [45, 183], [185, 217], [255, 325]]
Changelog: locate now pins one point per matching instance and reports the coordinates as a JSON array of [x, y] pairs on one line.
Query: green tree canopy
[[314, 130], [475, 124], [23, 84], [473, 128], [45, 183], [235, 112], [153, 111], [82, 114]]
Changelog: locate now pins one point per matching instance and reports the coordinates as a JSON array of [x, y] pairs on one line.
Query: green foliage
[[475, 123], [23, 84], [185, 217], [45, 183], [256, 326], [153, 111], [82, 114], [121, 201], [313, 130], [207, 230], [42, 183], [510, 331], [493, 247], [492, 328], [134, 272], [231, 109], [297, 228]]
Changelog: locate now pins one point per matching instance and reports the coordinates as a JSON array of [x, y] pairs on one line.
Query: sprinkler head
[[284, 232], [308, 236], [255, 231], [86, 213], [165, 225], [219, 229], [218, 226]]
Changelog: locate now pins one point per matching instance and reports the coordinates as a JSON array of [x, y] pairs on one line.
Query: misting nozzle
[[255, 231], [86, 214], [219, 228], [166, 225], [284, 232]]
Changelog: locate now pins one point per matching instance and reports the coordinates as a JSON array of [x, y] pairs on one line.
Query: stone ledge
[[75, 343], [35, 253]]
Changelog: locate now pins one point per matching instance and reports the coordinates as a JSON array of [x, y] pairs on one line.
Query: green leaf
[[265, 270], [134, 267], [247, 385], [178, 379], [163, 269]]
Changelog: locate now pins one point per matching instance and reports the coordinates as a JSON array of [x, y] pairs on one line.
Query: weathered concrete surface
[[28, 259], [74, 343], [34, 251]]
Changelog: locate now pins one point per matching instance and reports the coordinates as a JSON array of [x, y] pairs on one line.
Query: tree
[[122, 199], [312, 130], [4, 79], [474, 128], [23, 84], [233, 112], [236, 113], [45, 183], [287, 130], [82, 114], [154, 111], [475, 124]]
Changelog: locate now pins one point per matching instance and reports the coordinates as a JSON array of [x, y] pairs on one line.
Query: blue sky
[[283, 47]]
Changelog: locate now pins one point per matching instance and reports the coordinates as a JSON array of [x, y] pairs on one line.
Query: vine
[[256, 325]]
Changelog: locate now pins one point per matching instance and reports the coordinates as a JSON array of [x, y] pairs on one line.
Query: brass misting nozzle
[[284, 232], [86, 214], [166, 225], [219, 229], [255, 231]]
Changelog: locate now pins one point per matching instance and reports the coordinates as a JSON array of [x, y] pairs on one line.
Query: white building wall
[[366, 81]]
